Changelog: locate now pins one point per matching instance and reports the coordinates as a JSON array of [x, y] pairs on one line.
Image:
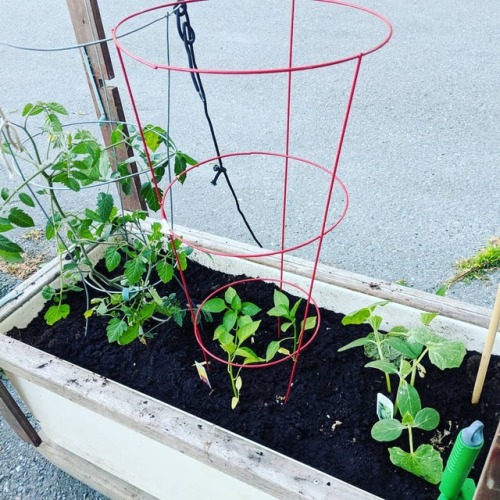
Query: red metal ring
[[267, 253], [256, 365], [154, 65]]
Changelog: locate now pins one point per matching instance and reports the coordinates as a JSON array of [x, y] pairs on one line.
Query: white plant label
[[202, 372], [385, 407]]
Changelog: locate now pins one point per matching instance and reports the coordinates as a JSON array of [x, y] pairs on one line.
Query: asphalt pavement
[[421, 152]]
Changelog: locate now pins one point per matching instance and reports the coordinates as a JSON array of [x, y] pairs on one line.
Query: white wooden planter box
[[128, 445]]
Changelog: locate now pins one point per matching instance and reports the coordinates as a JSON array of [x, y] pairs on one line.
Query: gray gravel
[[421, 158]]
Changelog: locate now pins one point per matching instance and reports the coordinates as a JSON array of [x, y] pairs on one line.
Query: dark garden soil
[[328, 418]]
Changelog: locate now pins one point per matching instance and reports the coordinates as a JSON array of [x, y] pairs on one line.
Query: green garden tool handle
[[463, 455]]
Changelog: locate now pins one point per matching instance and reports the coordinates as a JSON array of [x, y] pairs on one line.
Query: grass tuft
[[486, 260]]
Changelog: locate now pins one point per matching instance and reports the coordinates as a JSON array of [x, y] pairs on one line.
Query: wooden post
[[488, 487], [87, 23], [15, 417]]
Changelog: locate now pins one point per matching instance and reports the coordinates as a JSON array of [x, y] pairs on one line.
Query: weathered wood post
[[87, 23]]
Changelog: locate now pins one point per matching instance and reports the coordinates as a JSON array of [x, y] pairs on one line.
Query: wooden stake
[[488, 347], [87, 23]]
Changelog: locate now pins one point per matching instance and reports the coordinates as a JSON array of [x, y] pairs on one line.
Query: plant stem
[[415, 366], [381, 355], [410, 437], [231, 376]]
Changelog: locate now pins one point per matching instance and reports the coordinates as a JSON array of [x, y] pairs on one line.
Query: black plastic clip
[[220, 170]]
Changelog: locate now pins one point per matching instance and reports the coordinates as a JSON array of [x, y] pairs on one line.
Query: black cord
[[188, 36]]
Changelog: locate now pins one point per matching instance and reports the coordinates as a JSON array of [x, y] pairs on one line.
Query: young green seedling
[[425, 461], [374, 342], [237, 327], [73, 161], [282, 310]]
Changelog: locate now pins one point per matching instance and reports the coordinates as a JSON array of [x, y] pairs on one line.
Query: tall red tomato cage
[[324, 226]]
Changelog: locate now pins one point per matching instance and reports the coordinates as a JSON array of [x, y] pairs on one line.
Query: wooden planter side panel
[[93, 404], [371, 287]]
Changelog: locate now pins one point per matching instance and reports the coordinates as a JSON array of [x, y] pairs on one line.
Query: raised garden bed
[[130, 443]]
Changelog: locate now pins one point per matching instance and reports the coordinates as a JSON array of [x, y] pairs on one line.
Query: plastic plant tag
[[202, 373], [385, 407]]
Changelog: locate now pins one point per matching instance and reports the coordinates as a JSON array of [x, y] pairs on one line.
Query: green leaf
[[56, 108], [407, 399], [375, 322], [285, 326], [244, 320], [226, 340], [52, 226], [427, 317], [146, 311], [385, 366], [410, 351], [248, 355], [279, 311], [189, 160], [129, 335], [387, 429], [180, 167], [310, 323], [165, 271], [182, 260], [219, 331], [27, 109], [234, 402], [56, 313], [405, 369], [215, 305], [9, 246], [153, 137], [247, 331], [422, 335], [48, 292], [27, 199], [4, 193], [104, 206], [294, 309], [229, 319], [229, 295], [427, 419], [446, 353], [236, 303], [134, 269], [54, 123], [272, 350], [280, 299], [441, 291], [12, 257], [112, 257], [357, 317], [425, 462], [20, 218], [356, 343], [250, 309], [408, 420], [115, 329], [148, 193]]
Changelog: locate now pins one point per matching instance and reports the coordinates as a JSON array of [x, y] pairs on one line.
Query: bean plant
[[239, 328], [401, 352], [138, 260]]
